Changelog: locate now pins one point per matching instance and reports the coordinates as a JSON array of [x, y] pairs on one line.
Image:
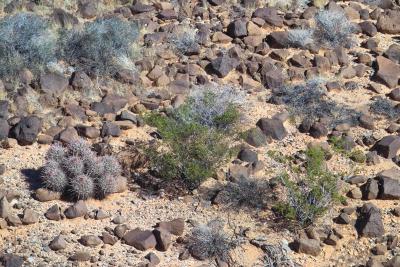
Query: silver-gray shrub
[[311, 100], [385, 107], [100, 46], [79, 173], [26, 41], [206, 103], [184, 40], [332, 28], [277, 256], [210, 241], [300, 37]]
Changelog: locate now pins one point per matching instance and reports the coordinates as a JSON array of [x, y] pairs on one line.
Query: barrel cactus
[[77, 172]]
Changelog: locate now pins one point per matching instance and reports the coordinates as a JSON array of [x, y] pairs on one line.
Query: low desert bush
[[385, 107], [101, 47], [300, 37], [311, 100], [310, 194], [185, 40], [79, 173], [332, 28], [288, 4], [210, 241], [26, 41], [248, 192], [196, 137], [212, 106], [277, 256]]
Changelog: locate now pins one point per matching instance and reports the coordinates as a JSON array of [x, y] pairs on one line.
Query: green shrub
[[313, 193], [196, 137], [189, 151]]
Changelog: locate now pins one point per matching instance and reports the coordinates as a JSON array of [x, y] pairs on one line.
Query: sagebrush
[[78, 173], [210, 241], [311, 100], [185, 40], [101, 47], [333, 28], [26, 41]]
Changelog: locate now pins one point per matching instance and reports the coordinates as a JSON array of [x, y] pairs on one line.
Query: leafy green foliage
[[313, 193], [191, 151], [195, 138]]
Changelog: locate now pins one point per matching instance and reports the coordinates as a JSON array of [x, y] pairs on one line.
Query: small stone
[[307, 246], [80, 256], [90, 241], [163, 238], [13, 220], [5, 208], [343, 218], [175, 227], [79, 209], [379, 249], [44, 195], [141, 240], [53, 213], [109, 239], [120, 230], [154, 260], [58, 243], [30, 217]]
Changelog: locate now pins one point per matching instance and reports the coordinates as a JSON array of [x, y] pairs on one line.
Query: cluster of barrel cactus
[[77, 171]]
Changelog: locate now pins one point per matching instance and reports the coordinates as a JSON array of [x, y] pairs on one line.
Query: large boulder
[[27, 130], [4, 129], [53, 83], [273, 128], [388, 71], [389, 188], [270, 15], [389, 22], [307, 246], [141, 240], [223, 65], [388, 146], [369, 223]]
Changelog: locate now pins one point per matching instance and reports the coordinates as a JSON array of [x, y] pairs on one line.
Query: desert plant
[[26, 41], [189, 151], [184, 40], [311, 100], [215, 106], [311, 194], [332, 28], [288, 4], [210, 241], [300, 37], [248, 192], [277, 256], [194, 137], [385, 107], [101, 46], [78, 172]]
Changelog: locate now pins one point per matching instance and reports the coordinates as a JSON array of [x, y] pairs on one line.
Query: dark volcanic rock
[[369, 223], [273, 128], [27, 130]]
